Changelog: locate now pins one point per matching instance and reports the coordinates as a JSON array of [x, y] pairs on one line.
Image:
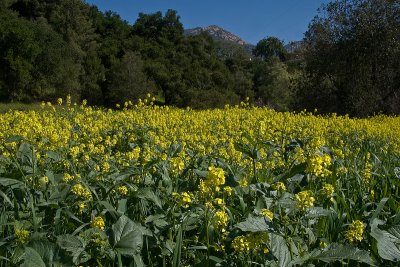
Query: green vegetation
[[162, 186], [348, 62]]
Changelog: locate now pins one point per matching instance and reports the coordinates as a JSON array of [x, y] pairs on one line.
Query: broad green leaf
[[174, 150], [280, 250], [70, 242], [254, 224], [316, 212], [53, 155], [32, 258], [5, 197], [388, 241], [8, 182], [127, 237], [46, 250], [339, 252], [149, 194], [379, 208], [138, 260], [176, 260]]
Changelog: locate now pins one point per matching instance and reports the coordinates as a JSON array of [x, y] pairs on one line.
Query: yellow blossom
[[98, 222], [81, 191], [123, 190], [279, 186], [21, 235], [328, 190], [221, 220], [304, 200], [355, 232], [267, 213]]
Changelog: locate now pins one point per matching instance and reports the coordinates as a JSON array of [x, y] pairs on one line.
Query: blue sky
[[251, 20]]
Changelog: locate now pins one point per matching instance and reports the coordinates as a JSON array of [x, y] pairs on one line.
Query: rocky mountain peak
[[217, 33]]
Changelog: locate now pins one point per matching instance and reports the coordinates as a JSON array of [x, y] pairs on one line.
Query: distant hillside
[[294, 46], [220, 34]]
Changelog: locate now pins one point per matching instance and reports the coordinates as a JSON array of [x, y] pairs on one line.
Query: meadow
[[145, 185]]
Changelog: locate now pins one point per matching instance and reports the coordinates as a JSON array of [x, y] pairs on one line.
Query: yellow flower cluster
[[215, 178], [81, 191], [221, 220], [241, 244], [123, 190], [21, 235], [355, 232], [267, 213], [319, 165], [81, 207], [253, 242], [279, 186], [228, 190], [68, 177], [366, 172], [98, 222], [177, 165], [44, 180], [328, 190], [184, 199], [304, 200]]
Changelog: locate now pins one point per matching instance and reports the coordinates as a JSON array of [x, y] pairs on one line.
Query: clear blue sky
[[251, 20]]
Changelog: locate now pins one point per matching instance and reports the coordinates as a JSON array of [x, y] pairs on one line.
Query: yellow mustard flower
[[123, 190], [267, 213], [355, 232], [21, 235], [328, 190], [98, 222], [304, 200]]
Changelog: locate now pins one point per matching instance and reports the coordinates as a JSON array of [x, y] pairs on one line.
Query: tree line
[[348, 63]]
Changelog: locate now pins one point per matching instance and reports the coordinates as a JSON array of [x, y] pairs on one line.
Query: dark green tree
[[270, 48], [127, 81], [353, 58]]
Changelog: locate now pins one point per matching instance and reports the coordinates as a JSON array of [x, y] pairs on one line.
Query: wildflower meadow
[[146, 185]]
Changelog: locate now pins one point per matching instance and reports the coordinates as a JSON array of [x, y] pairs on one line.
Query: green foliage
[[52, 49], [270, 48], [352, 52], [127, 81]]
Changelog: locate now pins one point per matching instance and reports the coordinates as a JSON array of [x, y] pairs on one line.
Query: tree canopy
[[352, 56]]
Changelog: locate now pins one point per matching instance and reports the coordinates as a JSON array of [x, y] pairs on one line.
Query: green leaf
[[32, 258], [138, 260], [388, 241], [127, 237], [339, 252], [69, 242], [176, 260], [149, 194], [174, 150], [2, 194], [8, 182], [54, 156], [316, 212], [254, 224], [45, 249], [280, 249], [379, 208]]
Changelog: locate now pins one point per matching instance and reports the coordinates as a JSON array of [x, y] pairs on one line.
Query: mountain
[[294, 46], [220, 34]]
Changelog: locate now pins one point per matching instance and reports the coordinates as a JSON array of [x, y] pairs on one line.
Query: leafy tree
[[128, 81], [17, 56], [273, 84], [353, 52], [270, 48], [158, 27]]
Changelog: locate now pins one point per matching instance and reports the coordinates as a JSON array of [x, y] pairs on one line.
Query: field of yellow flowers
[[160, 186]]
